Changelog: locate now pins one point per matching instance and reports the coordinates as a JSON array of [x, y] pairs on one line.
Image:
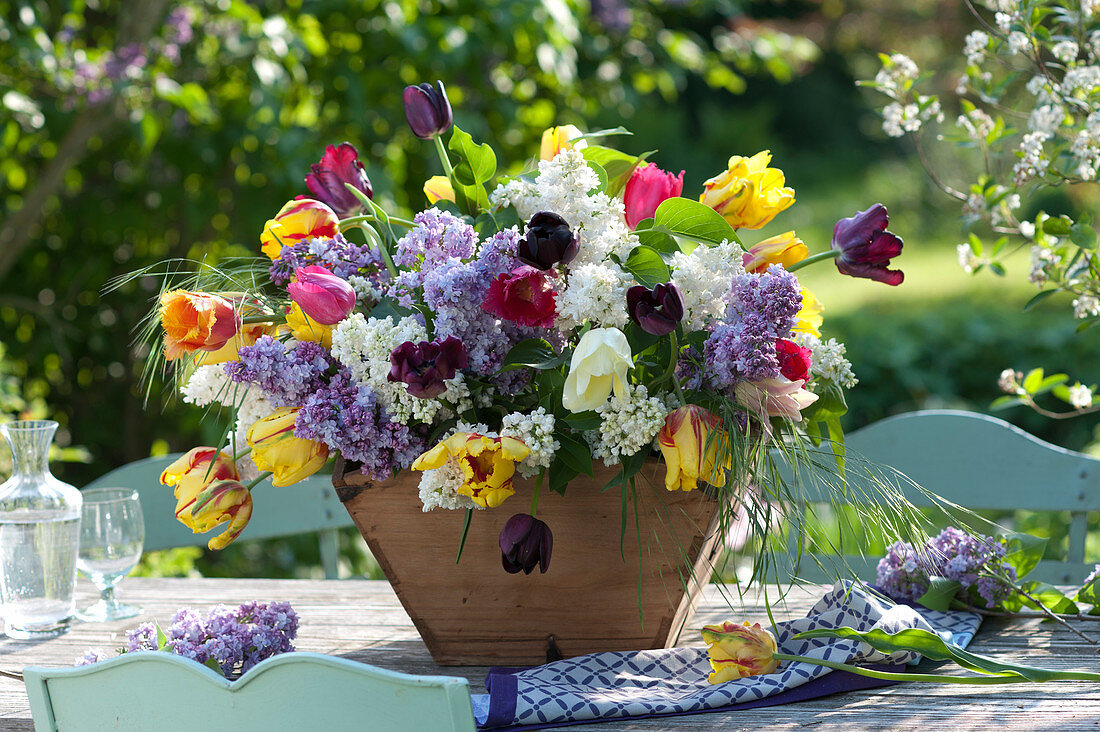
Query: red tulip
[[647, 188], [339, 165], [794, 360], [525, 296]]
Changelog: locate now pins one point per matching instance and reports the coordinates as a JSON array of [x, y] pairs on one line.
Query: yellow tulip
[[246, 336], [808, 319], [299, 220], [438, 188], [488, 464], [739, 651], [303, 328], [275, 448], [784, 249], [192, 473], [695, 447], [748, 193], [556, 139], [600, 363], [223, 501]]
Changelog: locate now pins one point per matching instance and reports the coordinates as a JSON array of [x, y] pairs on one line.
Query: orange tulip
[[695, 447], [223, 501], [191, 474], [785, 249], [196, 321], [299, 220], [739, 651]]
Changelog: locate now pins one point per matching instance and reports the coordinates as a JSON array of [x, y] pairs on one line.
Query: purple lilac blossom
[[285, 377], [337, 255], [347, 417], [92, 655], [904, 572], [142, 638], [762, 308], [1092, 577], [437, 237]]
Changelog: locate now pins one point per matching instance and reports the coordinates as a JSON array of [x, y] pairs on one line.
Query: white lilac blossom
[[1066, 51], [596, 293], [211, 385], [967, 259], [536, 430], [1086, 306], [564, 186], [827, 359], [628, 424], [364, 347], [704, 277], [975, 45], [1080, 396], [439, 488]]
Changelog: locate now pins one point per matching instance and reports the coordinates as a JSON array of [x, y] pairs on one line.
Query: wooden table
[[363, 621]]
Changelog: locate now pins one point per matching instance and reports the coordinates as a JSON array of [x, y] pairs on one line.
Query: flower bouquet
[[576, 330]]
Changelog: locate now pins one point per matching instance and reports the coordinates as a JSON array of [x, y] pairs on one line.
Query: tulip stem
[[892, 676], [262, 477], [535, 495], [352, 220], [671, 373], [444, 157], [820, 256], [262, 319]]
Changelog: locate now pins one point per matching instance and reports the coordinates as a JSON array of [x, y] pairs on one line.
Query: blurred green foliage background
[[135, 132]]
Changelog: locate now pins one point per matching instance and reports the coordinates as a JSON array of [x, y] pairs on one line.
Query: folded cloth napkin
[[673, 681]]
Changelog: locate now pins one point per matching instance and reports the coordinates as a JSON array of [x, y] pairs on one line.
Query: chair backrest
[[307, 506], [293, 691], [981, 463]]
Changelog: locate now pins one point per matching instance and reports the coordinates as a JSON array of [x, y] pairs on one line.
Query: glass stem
[[107, 596]]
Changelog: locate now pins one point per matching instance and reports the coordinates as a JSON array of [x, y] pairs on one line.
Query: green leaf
[[213, 665], [534, 353], [1089, 592], [560, 475], [1058, 226], [582, 421], [693, 219], [618, 165], [647, 266], [941, 591], [1005, 402], [1049, 597], [574, 453], [1083, 235], [1032, 381], [930, 645], [1038, 299], [474, 166], [389, 309], [1023, 552], [601, 174], [830, 402], [162, 639]]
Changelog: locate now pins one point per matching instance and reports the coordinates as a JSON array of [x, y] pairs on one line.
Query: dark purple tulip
[[524, 542], [547, 242], [424, 366], [866, 247], [428, 110], [656, 311], [339, 165]]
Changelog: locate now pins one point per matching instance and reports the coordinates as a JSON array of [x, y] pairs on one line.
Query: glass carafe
[[39, 536]]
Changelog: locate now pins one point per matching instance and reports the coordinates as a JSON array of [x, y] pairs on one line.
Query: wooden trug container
[[475, 613]]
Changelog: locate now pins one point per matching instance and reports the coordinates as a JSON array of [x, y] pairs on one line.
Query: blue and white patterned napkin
[[673, 681]]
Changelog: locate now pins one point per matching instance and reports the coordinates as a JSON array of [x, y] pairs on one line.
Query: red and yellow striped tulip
[[223, 501], [695, 447], [739, 651], [298, 220], [488, 464]]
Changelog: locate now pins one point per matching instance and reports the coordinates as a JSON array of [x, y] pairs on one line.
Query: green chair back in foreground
[[292, 691], [981, 463], [307, 506]]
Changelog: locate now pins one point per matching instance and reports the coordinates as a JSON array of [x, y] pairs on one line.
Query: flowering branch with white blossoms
[[1029, 106]]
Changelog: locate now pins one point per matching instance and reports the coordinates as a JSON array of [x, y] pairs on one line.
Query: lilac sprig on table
[[976, 563], [231, 641]]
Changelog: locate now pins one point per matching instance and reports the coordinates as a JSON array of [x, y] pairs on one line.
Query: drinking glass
[[112, 531]]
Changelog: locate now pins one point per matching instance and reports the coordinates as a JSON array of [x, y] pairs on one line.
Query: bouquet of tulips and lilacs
[[528, 325], [1028, 105]]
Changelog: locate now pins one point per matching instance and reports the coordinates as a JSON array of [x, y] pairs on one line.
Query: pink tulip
[[324, 297], [648, 187], [779, 397]]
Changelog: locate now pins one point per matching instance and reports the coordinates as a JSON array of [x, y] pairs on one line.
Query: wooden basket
[[602, 592]]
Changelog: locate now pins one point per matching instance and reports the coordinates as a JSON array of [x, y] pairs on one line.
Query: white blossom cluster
[[1018, 42], [439, 488], [975, 46], [704, 278], [1086, 147], [364, 346], [628, 424], [827, 359], [1089, 8], [1086, 306], [1066, 51], [564, 186], [1033, 162], [1042, 261], [976, 124], [896, 74], [536, 430], [1080, 396], [594, 292], [209, 385], [968, 260]]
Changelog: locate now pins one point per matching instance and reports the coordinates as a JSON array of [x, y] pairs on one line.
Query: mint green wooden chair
[[978, 462], [293, 691], [307, 506]]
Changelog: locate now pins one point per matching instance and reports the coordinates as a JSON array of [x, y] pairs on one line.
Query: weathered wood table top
[[363, 621]]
